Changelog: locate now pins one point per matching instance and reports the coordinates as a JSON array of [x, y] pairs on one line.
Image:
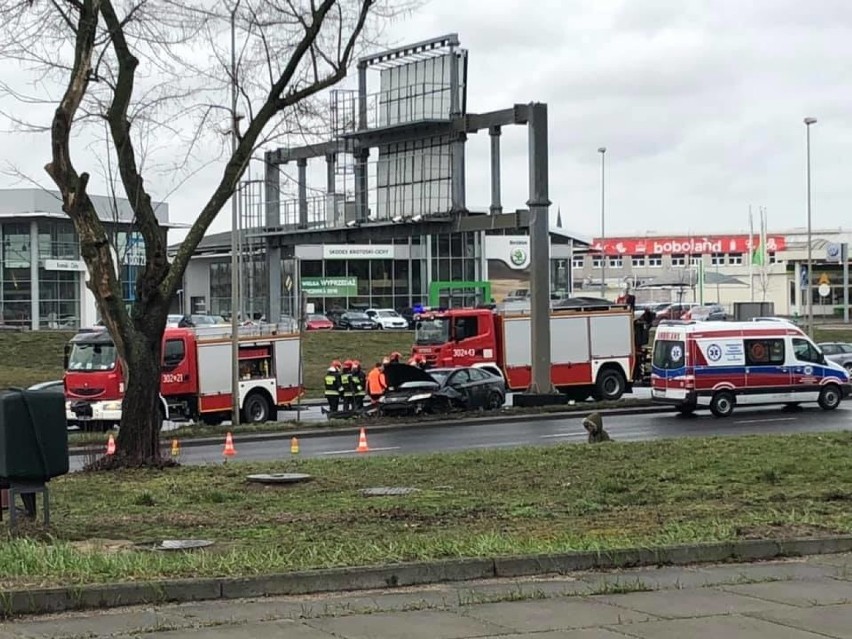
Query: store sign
[[697, 245], [65, 265], [513, 250], [330, 286], [357, 251]]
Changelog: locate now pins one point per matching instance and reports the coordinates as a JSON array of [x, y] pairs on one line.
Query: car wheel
[[829, 397], [495, 401], [722, 404], [610, 385], [687, 408], [256, 409]]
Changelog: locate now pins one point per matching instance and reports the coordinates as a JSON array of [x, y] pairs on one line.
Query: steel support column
[[458, 139], [362, 200], [539, 204], [272, 216], [302, 164], [496, 204]]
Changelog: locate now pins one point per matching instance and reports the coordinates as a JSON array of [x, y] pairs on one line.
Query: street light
[[235, 276], [602, 151], [809, 285]]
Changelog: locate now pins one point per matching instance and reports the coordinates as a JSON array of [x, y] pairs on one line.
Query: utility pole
[[235, 276], [809, 287], [602, 151]]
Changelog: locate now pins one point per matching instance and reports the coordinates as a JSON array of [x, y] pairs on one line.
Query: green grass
[[469, 504]]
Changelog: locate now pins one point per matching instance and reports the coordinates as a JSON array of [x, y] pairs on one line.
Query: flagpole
[[764, 255], [751, 252]]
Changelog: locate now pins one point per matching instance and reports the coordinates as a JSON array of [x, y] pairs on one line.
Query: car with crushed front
[[412, 390]]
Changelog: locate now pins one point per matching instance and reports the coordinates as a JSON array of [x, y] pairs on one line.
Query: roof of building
[[45, 203]]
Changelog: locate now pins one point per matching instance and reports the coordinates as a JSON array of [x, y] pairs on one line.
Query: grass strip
[[471, 504]]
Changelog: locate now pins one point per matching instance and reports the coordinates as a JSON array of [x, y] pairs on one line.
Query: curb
[[61, 599], [309, 433]]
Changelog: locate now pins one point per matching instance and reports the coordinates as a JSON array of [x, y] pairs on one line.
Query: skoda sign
[[518, 257]]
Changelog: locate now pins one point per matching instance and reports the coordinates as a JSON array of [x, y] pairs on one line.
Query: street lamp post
[[602, 151], [235, 277], [809, 285]]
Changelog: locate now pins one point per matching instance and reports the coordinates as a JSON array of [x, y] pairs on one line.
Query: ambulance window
[[762, 352], [668, 354], [173, 353], [805, 351]]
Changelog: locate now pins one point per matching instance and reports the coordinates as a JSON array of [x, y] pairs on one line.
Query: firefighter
[[333, 388], [359, 384], [346, 382], [376, 386]]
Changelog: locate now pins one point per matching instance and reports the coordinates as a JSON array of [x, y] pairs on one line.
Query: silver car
[[839, 352]]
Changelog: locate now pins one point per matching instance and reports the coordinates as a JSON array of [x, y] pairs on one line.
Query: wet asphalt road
[[543, 432]]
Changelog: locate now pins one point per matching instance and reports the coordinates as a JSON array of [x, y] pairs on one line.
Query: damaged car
[[412, 390]]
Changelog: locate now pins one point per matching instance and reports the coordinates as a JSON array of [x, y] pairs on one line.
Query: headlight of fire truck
[[111, 406]]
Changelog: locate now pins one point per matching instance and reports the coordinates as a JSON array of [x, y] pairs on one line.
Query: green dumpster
[[33, 435]]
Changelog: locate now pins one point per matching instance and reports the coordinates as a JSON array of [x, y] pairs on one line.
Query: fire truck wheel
[[829, 397], [256, 409], [610, 385], [722, 404]]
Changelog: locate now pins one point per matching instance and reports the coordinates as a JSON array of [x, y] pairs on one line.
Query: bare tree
[[138, 64]]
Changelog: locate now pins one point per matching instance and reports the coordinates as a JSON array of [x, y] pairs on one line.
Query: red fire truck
[[592, 350], [195, 382]]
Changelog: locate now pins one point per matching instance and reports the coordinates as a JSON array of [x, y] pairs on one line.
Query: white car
[[387, 318]]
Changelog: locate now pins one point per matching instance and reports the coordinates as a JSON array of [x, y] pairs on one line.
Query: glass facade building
[[42, 274]]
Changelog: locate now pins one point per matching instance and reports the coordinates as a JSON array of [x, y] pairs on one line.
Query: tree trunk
[[141, 410]]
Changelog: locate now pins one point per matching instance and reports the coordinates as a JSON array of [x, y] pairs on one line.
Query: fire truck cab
[[195, 382], [592, 350], [718, 365]]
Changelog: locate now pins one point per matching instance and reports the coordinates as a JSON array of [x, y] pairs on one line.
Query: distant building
[[666, 268], [43, 277]]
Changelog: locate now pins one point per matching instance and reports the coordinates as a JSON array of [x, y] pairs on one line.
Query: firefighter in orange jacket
[[376, 385]]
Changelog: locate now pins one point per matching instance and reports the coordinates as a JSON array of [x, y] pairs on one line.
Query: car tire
[[610, 385], [687, 408], [830, 397], [723, 403], [495, 401], [256, 409]]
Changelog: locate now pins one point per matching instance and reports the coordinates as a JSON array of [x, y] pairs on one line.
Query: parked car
[[356, 321], [672, 312], [288, 324], [387, 318], [839, 352], [173, 321], [707, 313], [197, 319], [440, 390], [317, 322], [654, 307]]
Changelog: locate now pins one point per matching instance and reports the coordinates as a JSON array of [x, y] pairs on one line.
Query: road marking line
[[765, 421], [346, 452]]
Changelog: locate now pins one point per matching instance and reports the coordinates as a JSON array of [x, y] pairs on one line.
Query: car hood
[[398, 374]]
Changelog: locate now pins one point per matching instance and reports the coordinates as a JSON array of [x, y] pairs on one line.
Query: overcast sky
[[700, 105]]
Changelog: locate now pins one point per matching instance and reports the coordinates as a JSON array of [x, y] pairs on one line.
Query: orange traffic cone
[[111, 445], [175, 448], [362, 443], [294, 446], [229, 451]]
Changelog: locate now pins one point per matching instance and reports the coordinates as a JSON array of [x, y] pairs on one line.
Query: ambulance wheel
[[687, 408], [256, 409], [829, 397], [722, 404], [610, 385]]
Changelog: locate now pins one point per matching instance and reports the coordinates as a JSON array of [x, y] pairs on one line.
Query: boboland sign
[[698, 245]]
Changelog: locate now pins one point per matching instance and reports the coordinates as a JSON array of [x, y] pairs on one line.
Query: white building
[[666, 268]]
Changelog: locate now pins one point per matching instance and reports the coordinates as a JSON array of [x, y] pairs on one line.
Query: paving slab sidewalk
[[805, 598]]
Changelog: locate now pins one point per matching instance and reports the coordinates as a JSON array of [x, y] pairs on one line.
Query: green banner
[[330, 286]]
